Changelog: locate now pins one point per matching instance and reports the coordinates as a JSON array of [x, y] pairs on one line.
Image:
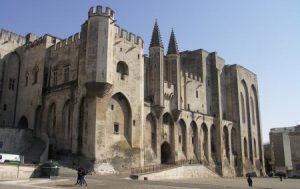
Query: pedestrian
[[280, 176], [78, 181], [249, 180], [82, 175]]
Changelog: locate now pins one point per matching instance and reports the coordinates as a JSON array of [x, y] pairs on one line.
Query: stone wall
[[15, 141], [16, 171]]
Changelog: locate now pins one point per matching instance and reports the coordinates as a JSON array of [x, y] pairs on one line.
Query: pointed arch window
[[243, 108], [35, 74]]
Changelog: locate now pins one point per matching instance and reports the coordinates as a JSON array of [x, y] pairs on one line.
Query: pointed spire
[[156, 38], [173, 48]]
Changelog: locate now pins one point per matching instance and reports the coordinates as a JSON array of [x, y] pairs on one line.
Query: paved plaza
[[119, 182]]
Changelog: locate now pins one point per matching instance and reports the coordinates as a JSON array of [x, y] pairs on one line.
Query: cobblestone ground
[[117, 182]]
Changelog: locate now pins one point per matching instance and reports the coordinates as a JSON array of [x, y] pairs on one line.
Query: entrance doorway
[[166, 153]]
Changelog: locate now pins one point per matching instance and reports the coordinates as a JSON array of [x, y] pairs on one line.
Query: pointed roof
[[156, 38], [173, 48]]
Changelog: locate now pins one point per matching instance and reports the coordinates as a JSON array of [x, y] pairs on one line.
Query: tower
[[156, 55], [174, 68], [99, 48]]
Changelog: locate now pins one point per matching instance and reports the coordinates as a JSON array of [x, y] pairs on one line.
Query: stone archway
[[23, 123], [166, 153], [194, 138], [204, 139]]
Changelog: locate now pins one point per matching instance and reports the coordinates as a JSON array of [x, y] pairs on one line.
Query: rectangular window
[[11, 85], [116, 128], [196, 94], [55, 77], [66, 74], [4, 107], [112, 107], [179, 139], [192, 140], [188, 106]]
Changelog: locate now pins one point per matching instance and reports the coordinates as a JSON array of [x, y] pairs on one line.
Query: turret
[[173, 63], [156, 55], [100, 35]]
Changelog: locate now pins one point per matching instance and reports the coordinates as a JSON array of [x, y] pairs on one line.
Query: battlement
[[36, 43], [7, 36], [66, 42], [98, 12], [129, 37], [192, 76]]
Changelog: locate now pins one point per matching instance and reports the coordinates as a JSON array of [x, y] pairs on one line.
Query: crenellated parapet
[[100, 11], [36, 43], [192, 76], [74, 39], [129, 37], [7, 36]]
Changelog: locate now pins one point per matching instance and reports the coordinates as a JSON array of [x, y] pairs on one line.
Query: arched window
[[252, 110], [245, 147], [122, 68], [243, 108]]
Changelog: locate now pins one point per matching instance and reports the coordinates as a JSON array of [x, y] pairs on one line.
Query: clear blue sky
[[261, 35]]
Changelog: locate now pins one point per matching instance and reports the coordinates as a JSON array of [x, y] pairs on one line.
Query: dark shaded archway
[[166, 153], [38, 120], [204, 138], [182, 137], [23, 123]]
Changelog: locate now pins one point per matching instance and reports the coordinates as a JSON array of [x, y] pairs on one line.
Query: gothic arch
[[168, 128], [194, 137], [51, 127], [245, 147], [150, 135], [13, 67], [243, 107], [213, 141], [182, 137], [255, 149], [204, 137], [226, 141], [248, 120], [38, 119], [66, 126], [122, 116], [81, 123], [234, 145], [257, 118]]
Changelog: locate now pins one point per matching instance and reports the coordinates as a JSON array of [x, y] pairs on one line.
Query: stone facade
[[285, 150], [97, 94]]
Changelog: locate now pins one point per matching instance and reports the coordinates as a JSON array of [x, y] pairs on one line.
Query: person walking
[[82, 175], [78, 181], [249, 180]]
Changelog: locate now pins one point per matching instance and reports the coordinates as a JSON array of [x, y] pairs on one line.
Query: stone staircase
[[34, 152], [181, 172]]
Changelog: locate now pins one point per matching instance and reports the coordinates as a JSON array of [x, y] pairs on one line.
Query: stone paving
[[118, 182]]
